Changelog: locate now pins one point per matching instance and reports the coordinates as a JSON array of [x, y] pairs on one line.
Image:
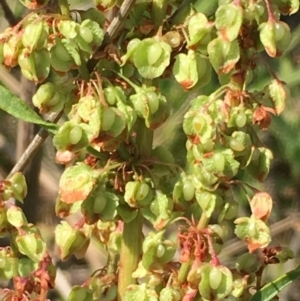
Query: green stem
[[183, 272], [112, 263], [64, 7], [144, 138], [132, 234], [130, 253], [203, 222]]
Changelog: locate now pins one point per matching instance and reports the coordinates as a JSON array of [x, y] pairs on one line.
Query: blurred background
[[283, 182]]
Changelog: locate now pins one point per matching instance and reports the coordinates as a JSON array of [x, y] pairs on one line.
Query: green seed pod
[[216, 282], [99, 203], [60, 59], [8, 263], [275, 36], [166, 253], [35, 35], [19, 186], [215, 278], [86, 34], [239, 141], [60, 51], [44, 95], [199, 122], [198, 27], [216, 229], [16, 217], [219, 161], [26, 63], [25, 267], [27, 244], [153, 101], [142, 191], [160, 251], [75, 135], [11, 51], [173, 38], [240, 119], [108, 118], [154, 52], [231, 211], [248, 263], [80, 294], [130, 190], [188, 190], [110, 96]]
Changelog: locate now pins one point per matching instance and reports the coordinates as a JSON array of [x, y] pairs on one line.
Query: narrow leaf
[[19, 109], [272, 289]]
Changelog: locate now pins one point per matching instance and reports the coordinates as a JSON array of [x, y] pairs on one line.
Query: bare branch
[[33, 147], [113, 29], [8, 14]]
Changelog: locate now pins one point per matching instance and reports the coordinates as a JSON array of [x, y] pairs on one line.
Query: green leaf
[[272, 289], [14, 106]]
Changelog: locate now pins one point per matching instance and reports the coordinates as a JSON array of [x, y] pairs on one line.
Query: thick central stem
[[130, 253], [132, 233]]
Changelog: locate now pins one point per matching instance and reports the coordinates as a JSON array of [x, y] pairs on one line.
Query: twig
[[113, 29], [42, 135], [33, 147], [8, 14], [10, 81]]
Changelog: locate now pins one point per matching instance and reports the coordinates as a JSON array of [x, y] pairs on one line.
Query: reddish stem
[[270, 12], [214, 258]]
